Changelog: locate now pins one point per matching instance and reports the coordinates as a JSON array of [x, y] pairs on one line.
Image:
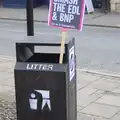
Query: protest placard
[[67, 14]]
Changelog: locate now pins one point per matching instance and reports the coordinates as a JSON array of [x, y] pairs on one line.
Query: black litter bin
[[45, 89]]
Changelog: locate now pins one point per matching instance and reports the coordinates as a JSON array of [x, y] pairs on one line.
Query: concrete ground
[[98, 96], [41, 15]]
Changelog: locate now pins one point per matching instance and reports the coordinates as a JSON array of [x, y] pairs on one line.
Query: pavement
[[98, 96], [97, 19]]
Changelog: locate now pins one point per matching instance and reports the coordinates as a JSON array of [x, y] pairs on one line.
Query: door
[[1, 3]]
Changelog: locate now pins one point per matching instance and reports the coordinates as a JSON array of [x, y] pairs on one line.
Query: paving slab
[[116, 91], [112, 19], [4, 89], [86, 91], [110, 100], [5, 75], [8, 97], [100, 92], [79, 108], [84, 79], [104, 85], [100, 110], [6, 66], [3, 60], [87, 77], [6, 59], [84, 101], [11, 70], [12, 90], [8, 82], [112, 79], [116, 117], [118, 113], [82, 116]]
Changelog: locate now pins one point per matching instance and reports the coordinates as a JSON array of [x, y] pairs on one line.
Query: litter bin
[[45, 89]]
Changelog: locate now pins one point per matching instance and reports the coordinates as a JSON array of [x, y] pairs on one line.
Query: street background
[[98, 61]]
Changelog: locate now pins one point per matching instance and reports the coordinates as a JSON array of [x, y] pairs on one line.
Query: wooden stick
[[62, 46]]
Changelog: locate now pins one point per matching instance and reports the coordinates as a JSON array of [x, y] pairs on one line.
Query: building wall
[[115, 6]]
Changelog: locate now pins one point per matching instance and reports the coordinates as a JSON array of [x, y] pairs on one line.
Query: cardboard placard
[[67, 14]]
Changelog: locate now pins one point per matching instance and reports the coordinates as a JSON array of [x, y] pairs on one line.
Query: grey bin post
[[45, 89]]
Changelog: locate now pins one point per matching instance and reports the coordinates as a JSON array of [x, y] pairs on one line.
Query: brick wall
[[115, 6]]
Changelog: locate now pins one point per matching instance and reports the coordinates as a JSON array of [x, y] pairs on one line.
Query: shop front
[[103, 5], [21, 3], [1, 3]]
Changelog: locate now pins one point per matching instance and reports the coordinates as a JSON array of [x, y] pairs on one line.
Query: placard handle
[[62, 45]]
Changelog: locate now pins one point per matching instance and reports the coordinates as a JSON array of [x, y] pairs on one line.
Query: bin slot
[[46, 53], [46, 49]]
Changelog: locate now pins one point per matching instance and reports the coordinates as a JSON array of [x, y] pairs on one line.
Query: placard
[[67, 14]]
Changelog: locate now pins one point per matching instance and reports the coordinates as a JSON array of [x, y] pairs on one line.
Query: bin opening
[[46, 58], [28, 54]]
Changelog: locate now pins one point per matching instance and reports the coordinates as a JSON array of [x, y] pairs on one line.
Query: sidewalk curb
[[7, 57], [111, 74], [15, 19], [106, 26], [90, 25]]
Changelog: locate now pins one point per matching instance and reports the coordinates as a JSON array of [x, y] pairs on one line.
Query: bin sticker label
[[72, 63], [39, 67], [46, 99]]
